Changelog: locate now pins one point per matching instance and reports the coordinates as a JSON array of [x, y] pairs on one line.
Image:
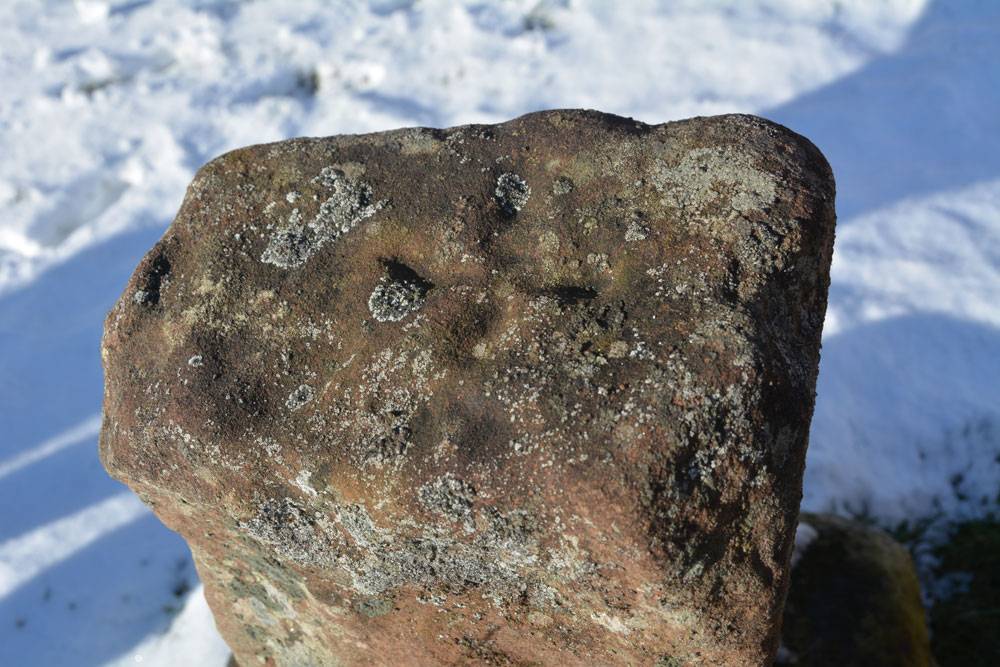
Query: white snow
[[82, 432], [189, 640], [804, 536], [108, 108], [23, 557]]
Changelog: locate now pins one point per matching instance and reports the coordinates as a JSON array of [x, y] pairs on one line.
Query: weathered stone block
[[530, 393]]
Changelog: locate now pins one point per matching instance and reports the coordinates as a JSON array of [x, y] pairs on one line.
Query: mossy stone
[[854, 599]]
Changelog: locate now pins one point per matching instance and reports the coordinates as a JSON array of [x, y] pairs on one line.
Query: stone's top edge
[[608, 120], [591, 114]]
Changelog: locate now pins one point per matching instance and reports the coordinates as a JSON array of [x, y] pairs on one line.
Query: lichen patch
[[302, 395], [289, 530], [392, 301], [348, 202], [704, 175], [636, 231], [448, 496], [512, 192]]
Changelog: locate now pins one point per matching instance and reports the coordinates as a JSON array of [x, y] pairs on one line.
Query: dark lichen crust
[[528, 393]]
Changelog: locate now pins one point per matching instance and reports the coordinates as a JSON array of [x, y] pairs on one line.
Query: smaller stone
[[854, 598]]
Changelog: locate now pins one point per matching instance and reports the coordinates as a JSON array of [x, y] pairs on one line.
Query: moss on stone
[[854, 599]]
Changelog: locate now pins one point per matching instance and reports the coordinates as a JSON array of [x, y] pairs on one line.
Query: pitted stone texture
[[530, 393]]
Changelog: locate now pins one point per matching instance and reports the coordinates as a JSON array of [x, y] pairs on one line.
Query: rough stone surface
[[531, 393], [854, 600]]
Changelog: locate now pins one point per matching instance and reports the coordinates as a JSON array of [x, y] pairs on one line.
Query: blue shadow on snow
[[920, 120]]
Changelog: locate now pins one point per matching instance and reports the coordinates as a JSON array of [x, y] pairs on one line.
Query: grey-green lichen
[[373, 608], [497, 560], [393, 301], [706, 174], [348, 202], [562, 186], [512, 192], [449, 496], [302, 395], [291, 531], [399, 382], [636, 231]]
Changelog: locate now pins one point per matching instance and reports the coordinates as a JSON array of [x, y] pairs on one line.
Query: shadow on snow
[[920, 120]]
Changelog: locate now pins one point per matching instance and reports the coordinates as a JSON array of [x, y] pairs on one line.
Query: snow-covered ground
[[107, 109]]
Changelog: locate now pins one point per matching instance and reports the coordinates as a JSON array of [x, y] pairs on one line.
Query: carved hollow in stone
[[531, 393]]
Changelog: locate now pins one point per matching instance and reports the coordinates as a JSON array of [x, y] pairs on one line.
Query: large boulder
[[529, 393]]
